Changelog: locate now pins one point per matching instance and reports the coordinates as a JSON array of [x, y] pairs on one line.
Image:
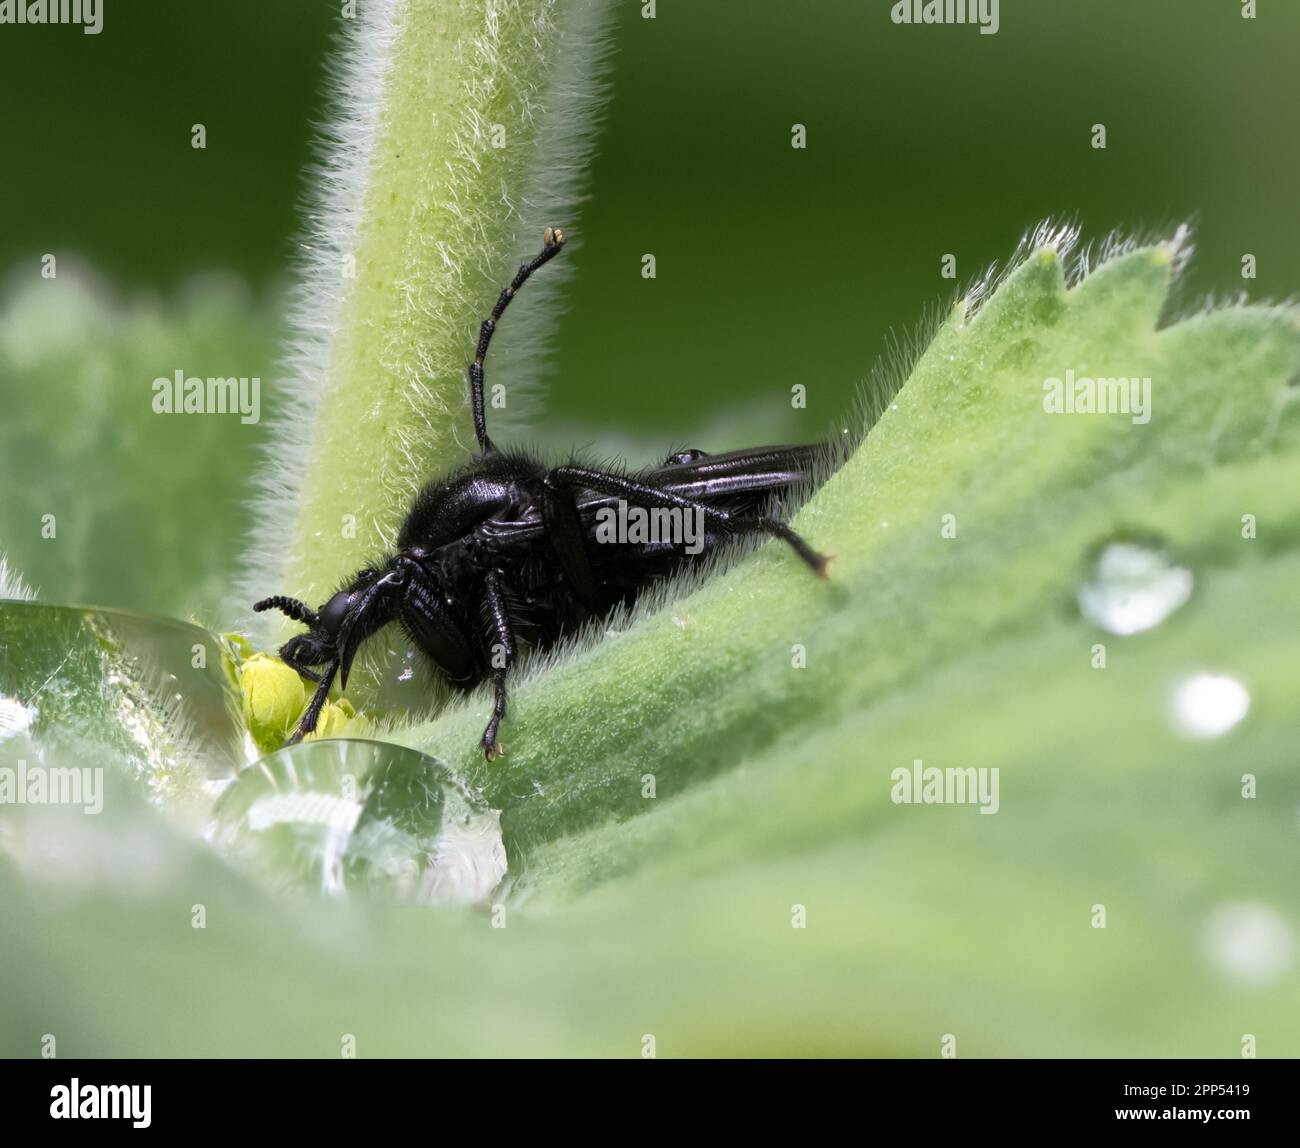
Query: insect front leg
[[644, 494], [298, 666], [307, 723], [501, 649]]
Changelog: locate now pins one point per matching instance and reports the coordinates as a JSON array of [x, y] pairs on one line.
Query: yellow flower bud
[[274, 698], [339, 718]]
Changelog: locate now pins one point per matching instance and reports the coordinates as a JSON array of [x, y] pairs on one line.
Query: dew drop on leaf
[[1249, 942], [1208, 705], [1131, 586]]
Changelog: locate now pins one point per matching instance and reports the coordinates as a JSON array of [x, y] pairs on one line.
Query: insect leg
[[502, 655], [644, 494], [568, 539], [312, 714], [291, 659], [552, 241]]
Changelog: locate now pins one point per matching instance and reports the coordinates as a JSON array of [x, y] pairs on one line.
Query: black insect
[[506, 552]]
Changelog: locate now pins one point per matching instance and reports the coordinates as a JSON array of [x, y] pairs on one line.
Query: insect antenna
[[552, 241], [291, 607]]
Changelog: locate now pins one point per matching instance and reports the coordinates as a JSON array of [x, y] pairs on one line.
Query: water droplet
[[1249, 941], [1133, 586], [124, 683], [347, 816], [1208, 705]]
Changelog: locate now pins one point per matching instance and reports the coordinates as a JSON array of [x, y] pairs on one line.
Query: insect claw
[[823, 566], [553, 237], [494, 751]]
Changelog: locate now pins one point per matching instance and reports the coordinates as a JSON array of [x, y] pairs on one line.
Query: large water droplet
[[1133, 586], [151, 693], [1208, 705], [1250, 942], [346, 815]]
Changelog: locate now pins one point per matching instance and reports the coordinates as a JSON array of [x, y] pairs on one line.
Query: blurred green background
[[775, 265]]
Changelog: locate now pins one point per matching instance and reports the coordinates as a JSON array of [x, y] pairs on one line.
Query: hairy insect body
[[508, 552]]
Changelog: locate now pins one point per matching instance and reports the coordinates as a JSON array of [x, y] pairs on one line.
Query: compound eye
[[333, 613]]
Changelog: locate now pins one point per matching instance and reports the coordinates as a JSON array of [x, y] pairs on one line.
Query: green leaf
[[103, 495], [1154, 790]]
